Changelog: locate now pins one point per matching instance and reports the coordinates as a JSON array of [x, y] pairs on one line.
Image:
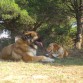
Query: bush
[[49, 35], [5, 41]]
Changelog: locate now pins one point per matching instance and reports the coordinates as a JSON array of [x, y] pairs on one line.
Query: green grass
[[69, 61], [68, 70]]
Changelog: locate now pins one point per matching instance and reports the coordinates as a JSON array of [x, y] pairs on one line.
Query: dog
[[24, 48], [55, 50]]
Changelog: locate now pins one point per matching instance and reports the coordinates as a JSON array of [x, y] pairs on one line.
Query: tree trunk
[[82, 29], [79, 32]]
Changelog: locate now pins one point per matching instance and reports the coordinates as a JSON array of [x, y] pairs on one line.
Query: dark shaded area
[[70, 61]]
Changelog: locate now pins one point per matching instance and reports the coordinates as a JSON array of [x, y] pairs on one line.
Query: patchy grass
[[68, 70], [70, 61]]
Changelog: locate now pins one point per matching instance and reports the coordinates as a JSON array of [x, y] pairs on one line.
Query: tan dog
[[24, 49], [55, 50]]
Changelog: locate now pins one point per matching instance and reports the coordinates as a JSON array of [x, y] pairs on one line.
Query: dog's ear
[[29, 35], [56, 46], [23, 37], [23, 32]]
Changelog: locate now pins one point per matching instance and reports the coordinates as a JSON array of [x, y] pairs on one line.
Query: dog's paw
[[48, 60]]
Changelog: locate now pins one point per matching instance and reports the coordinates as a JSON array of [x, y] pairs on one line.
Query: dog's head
[[31, 37], [52, 48]]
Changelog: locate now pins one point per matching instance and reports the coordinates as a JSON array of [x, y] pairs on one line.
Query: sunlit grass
[[68, 70]]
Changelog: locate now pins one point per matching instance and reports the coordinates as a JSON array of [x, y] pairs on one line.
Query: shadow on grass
[[59, 62], [68, 61]]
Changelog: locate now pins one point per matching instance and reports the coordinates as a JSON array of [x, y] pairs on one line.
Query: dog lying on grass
[[55, 50], [24, 49]]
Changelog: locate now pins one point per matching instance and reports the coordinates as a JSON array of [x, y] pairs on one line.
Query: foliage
[[4, 42], [76, 8], [9, 9], [12, 14], [62, 35], [47, 11], [51, 18]]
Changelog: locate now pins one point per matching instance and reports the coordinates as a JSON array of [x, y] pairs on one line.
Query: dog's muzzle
[[48, 53]]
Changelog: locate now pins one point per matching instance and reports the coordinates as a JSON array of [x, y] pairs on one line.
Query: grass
[[68, 70]]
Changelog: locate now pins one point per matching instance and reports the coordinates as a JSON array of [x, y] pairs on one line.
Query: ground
[[68, 70]]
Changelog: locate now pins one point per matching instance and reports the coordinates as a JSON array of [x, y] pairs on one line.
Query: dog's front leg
[[28, 58]]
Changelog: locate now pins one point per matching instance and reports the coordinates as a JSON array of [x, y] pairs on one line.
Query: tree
[[76, 8], [46, 11], [13, 16]]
